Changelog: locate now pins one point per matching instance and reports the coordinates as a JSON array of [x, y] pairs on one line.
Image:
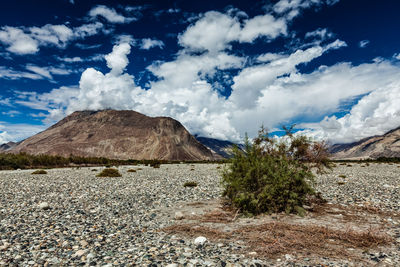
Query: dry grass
[[271, 240], [277, 235]]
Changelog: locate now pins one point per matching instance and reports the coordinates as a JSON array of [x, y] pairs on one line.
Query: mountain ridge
[[386, 145]]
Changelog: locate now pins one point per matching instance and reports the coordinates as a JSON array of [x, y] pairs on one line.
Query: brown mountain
[[118, 135], [387, 145]]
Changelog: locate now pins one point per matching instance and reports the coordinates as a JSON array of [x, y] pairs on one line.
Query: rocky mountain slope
[[116, 134], [387, 145], [222, 149]]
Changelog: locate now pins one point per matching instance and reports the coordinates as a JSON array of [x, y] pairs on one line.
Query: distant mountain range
[[387, 145], [132, 135], [115, 134], [219, 148]]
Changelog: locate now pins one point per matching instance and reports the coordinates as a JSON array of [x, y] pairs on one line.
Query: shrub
[[109, 172], [190, 184], [131, 170], [342, 176], [273, 176], [39, 172]]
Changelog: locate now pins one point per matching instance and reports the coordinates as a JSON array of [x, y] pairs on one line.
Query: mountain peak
[[120, 134]]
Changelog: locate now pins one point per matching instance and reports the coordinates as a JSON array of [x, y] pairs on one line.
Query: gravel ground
[[70, 217]]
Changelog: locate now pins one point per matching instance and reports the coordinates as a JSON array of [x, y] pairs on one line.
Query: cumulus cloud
[[109, 14], [374, 114], [148, 43], [215, 31], [117, 60]]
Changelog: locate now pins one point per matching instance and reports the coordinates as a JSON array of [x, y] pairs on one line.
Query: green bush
[[190, 184], [273, 176], [109, 172], [131, 170], [39, 172]]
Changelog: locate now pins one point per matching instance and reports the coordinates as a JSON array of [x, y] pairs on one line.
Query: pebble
[[44, 206], [200, 240]]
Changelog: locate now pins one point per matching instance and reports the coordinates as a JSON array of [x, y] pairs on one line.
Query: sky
[[222, 68]]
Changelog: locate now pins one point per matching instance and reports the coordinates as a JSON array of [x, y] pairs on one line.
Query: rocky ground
[[70, 217]]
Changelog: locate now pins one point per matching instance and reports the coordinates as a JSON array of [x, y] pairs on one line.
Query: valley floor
[[70, 217]]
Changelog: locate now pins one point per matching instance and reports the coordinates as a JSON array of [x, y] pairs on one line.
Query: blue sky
[[222, 68]]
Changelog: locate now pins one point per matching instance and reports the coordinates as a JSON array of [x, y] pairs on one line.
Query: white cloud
[[89, 29], [363, 43], [148, 43], [109, 14], [250, 82], [11, 113], [70, 59], [11, 74], [215, 31], [14, 132], [292, 8], [374, 114], [117, 60], [28, 40], [265, 25], [17, 41], [47, 72], [96, 57], [320, 33]]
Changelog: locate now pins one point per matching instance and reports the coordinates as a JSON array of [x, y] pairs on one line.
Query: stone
[[84, 243], [79, 253], [179, 215], [44, 206], [200, 241]]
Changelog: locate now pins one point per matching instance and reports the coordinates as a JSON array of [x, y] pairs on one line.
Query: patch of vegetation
[[342, 176], [274, 176], [341, 183], [190, 184], [109, 172], [39, 172], [131, 170]]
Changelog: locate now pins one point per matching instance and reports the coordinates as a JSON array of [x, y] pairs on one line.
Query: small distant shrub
[[109, 172], [108, 166], [94, 170], [139, 169], [274, 176], [341, 183], [131, 170], [192, 169], [39, 172], [190, 184], [218, 167], [343, 163], [342, 176], [367, 164], [349, 165]]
